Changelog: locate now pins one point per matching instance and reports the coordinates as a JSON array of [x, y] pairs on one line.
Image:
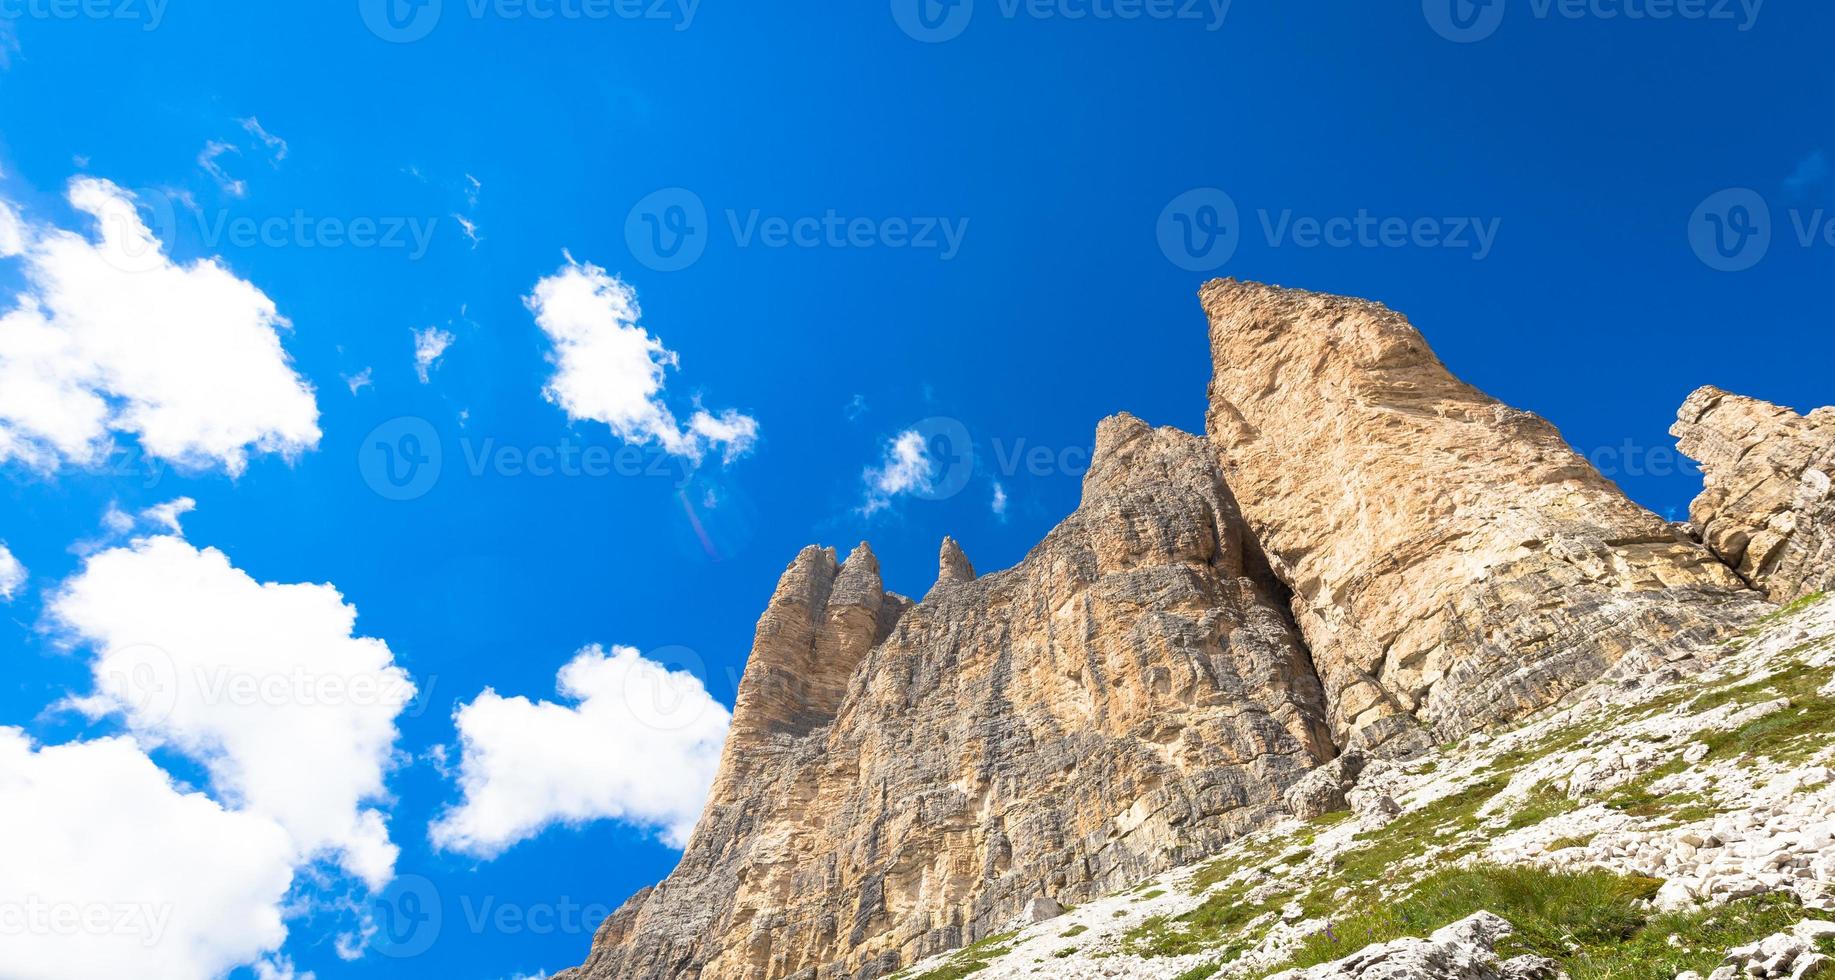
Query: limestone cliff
[[1171, 669], [1130, 696], [1454, 562], [1767, 507]]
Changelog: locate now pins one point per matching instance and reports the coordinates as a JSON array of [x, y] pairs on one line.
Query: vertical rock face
[[1766, 506], [902, 781], [1454, 563]]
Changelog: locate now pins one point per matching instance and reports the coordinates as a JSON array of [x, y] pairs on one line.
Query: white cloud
[[12, 574], [999, 504], [641, 745], [264, 684], [165, 516], [359, 381], [469, 229], [276, 146], [907, 468], [609, 369], [111, 336], [207, 159], [473, 187], [429, 346], [112, 871]]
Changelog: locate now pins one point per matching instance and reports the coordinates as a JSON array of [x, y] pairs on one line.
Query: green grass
[[1204, 972], [1074, 931], [1549, 909], [1149, 896], [1794, 608], [1596, 924], [1543, 803], [1705, 934], [1793, 734], [972, 959], [1567, 842]]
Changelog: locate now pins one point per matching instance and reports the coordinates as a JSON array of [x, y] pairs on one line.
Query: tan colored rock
[[1454, 562], [1766, 506], [1128, 698]]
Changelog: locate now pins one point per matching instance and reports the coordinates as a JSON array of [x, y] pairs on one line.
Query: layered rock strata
[[1454, 563], [1767, 507], [1130, 696]]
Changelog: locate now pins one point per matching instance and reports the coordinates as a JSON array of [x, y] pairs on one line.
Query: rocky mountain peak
[[1362, 559], [953, 567], [1767, 507]]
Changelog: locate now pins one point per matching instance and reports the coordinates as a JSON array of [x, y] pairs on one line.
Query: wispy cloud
[[1811, 171], [906, 468], [999, 503], [429, 346], [277, 147], [208, 160]]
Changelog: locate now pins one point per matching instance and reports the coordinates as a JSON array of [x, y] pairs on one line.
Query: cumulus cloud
[[640, 744], [111, 336], [906, 468], [112, 871], [429, 346], [609, 369], [12, 574], [266, 685]]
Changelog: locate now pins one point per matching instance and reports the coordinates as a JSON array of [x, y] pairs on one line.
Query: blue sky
[[982, 223]]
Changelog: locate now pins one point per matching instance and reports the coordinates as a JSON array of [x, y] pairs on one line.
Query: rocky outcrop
[[1454, 563], [1767, 506], [1465, 950], [1129, 697]]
